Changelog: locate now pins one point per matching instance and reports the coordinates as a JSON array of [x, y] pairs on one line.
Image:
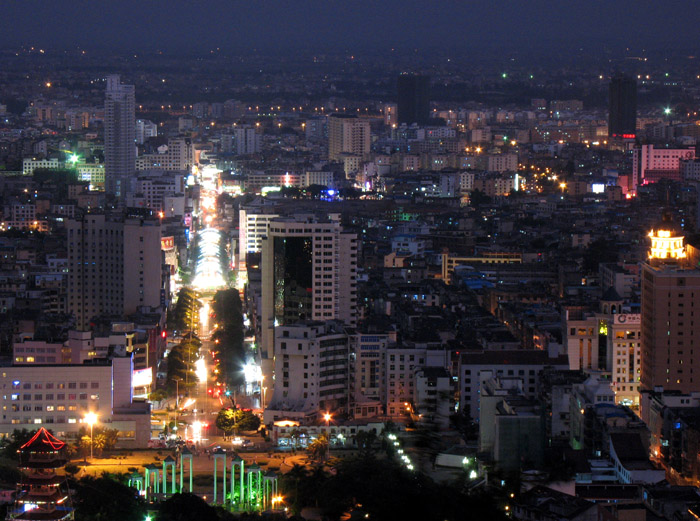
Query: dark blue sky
[[200, 25]]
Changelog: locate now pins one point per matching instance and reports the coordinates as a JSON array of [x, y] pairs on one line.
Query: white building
[[624, 356], [145, 129], [368, 358], [246, 140], [401, 365], [152, 187], [59, 396], [253, 222], [319, 177], [311, 371], [178, 154], [650, 164], [29, 164], [347, 134]]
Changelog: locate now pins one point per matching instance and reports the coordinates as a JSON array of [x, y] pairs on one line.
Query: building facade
[[120, 135]]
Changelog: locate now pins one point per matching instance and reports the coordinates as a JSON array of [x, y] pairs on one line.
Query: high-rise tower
[[670, 289], [114, 266], [120, 136], [309, 272], [413, 92], [347, 134], [622, 120]]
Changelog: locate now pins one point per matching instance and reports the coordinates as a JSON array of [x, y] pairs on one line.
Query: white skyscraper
[[120, 136]]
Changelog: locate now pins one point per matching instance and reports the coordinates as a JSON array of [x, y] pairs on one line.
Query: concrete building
[[115, 266], [309, 272], [59, 396], [246, 140], [650, 164], [347, 134], [120, 136], [631, 460], [670, 288], [177, 155], [511, 427], [156, 190], [368, 366], [311, 371], [253, 221], [145, 129], [624, 333], [476, 368]]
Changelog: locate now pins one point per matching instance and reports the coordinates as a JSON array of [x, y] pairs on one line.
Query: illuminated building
[[650, 164], [59, 396], [622, 116], [42, 494], [120, 136], [347, 134], [670, 289], [413, 99]]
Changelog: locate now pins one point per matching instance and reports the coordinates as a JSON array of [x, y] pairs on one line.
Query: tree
[[290, 483], [158, 395], [11, 444], [247, 421], [104, 499], [477, 198], [226, 421], [365, 441], [185, 507], [318, 449]]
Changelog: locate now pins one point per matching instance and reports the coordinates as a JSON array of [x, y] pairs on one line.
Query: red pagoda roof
[[43, 440]]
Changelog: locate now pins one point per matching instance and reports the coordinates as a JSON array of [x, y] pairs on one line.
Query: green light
[[504, 75], [148, 518], [667, 110], [667, 74], [73, 158], [531, 76]]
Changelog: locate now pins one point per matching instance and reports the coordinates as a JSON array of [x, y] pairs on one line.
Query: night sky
[[178, 25]]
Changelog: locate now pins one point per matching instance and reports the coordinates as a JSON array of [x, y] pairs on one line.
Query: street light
[[327, 417], [90, 419]]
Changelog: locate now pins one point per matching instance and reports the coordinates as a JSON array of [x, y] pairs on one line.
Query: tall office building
[[114, 266], [120, 136], [670, 332], [622, 118], [413, 99], [347, 134], [309, 272]]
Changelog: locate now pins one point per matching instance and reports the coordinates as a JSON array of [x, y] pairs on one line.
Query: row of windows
[[57, 385], [50, 396]]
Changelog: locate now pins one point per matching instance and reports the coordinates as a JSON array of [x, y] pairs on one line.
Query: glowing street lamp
[[90, 419], [327, 417]]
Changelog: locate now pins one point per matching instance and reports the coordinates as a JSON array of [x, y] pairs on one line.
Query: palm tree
[[318, 449]]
